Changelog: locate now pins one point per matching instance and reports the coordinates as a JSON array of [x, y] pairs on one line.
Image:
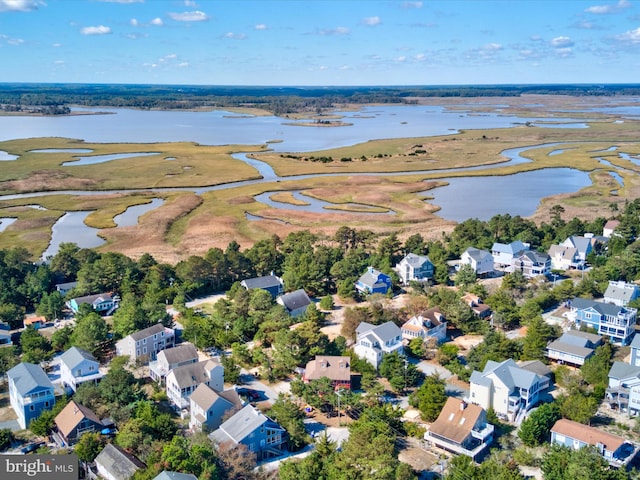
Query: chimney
[[463, 405]]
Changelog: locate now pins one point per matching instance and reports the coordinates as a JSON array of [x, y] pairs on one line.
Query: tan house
[[209, 408], [335, 368], [72, 422]]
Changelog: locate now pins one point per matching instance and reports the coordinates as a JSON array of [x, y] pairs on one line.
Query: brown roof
[[454, 422], [587, 434], [71, 415], [332, 367]]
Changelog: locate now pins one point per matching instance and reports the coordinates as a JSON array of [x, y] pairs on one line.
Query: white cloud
[[235, 36], [334, 31], [171, 56], [609, 8], [421, 57], [324, 67], [194, 16], [564, 52], [157, 22], [59, 62], [15, 41], [98, 30], [134, 22], [261, 26], [183, 64], [20, 5], [411, 5], [190, 3], [344, 67], [562, 42], [401, 58], [56, 45], [631, 36], [492, 47], [371, 21]]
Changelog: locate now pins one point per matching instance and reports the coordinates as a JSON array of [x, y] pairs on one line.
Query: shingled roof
[[456, 420]]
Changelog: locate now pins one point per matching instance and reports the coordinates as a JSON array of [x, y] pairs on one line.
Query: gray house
[[573, 347], [208, 407], [532, 263], [171, 358], [417, 268], [621, 293], [252, 428], [144, 345], [113, 463], [271, 283], [295, 303]]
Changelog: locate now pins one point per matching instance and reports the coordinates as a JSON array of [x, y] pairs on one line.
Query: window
[[31, 408], [46, 404], [144, 341]]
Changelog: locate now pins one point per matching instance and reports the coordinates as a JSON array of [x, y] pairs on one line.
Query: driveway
[[429, 368]]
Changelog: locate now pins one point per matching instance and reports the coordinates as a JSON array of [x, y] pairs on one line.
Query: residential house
[[532, 263], [375, 341], [72, 422], [479, 309], [635, 351], [271, 283], [113, 463], [623, 391], [615, 450], [584, 245], [5, 339], [175, 476], [565, 258], [617, 323], [621, 293], [335, 368], [480, 260], [30, 392], [144, 345], [573, 347], [540, 369], [36, 322], [609, 228], [253, 429], [461, 428], [295, 303], [103, 303], [66, 287], [504, 253], [208, 408], [429, 324], [507, 388], [182, 381], [78, 366], [373, 281], [415, 268], [170, 358]]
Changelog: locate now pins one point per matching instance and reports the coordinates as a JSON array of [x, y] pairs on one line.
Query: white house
[[414, 267], [583, 244], [78, 366], [507, 388], [375, 341], [621, 293], [480, 260], [171, 358], [564, 258], [182, 381], [429, 324], [504, 253], [609, 228], [623, 391]]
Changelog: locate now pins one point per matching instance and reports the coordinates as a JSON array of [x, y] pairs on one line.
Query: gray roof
[[193, 373], [581, 243], [635, 343], [510, 374], [93, 299], [147, 332], [205, 396], [512, 248], [608, 309], [479, 379], [580, 339], [622, 291], [535, 256], [179, 354], [572, 349], [28, 377], [240, 425], [416, 260], [295, 300], [536, 366], [477, 254], [385, 332], [118, 462], [371, 277], [564, 252], [75, 356], [262, 282], [622, 370], [175, 476]]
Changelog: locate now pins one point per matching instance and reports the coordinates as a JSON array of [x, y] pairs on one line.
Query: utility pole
[[338, 394]]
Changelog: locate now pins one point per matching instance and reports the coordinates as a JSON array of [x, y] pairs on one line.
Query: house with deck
[[415, 268], [621, 293], [253, 429], [78, 366], [335, 368], [429, 324], [623, 390], [30, 392], [564, 258], [373, 281], [532, 263], [504, 253], [375, 341], [170, 358], [481, 261], [607, 319], [73, 421], [477, 306], [144, 345], [461, 428], [583, 245], [573, 347], [616, 450], [182, 381]]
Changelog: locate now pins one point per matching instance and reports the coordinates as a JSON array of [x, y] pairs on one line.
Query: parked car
[[31, 447], [250, 394]]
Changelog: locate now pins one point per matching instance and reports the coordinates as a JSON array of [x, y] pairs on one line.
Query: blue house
[[30, 392], [271, 283], [616, 322], [253, 429], [373, 281]]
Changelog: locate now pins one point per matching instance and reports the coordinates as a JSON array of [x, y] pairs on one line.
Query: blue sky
[[320, 42]]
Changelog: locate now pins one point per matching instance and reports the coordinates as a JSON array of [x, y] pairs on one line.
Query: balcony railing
[[484, 433]]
